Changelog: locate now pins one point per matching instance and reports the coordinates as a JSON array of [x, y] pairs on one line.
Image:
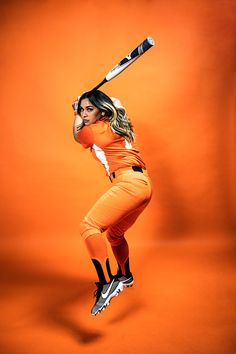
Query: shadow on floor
[[51, 295]]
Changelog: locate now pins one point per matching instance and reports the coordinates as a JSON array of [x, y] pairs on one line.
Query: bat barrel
[[139, 50], [129, 59], [145, 45]]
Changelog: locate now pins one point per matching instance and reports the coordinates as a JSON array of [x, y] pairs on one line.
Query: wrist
[[78, 123]]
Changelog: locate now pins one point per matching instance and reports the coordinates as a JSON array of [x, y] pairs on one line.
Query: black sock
[[109, 269], [127, 269], [99, 270]]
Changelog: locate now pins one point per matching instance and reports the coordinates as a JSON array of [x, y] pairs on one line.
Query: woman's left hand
[[75, 105]]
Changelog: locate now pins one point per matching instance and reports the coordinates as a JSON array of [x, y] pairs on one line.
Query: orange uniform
[[111, 149], [118, 208]]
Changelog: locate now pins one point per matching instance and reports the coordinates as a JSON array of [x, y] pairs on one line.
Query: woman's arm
[[77, 126]]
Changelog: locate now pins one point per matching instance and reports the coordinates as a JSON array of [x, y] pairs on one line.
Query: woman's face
[[88, 112]]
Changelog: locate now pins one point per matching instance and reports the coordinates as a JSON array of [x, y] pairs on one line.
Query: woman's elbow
[[75, 134]]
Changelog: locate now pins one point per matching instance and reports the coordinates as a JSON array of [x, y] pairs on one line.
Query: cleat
[[104, 293], [126, 281]]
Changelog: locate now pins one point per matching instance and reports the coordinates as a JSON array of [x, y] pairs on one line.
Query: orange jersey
[[110, 148]]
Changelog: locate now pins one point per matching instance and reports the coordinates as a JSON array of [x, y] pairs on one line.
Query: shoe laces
[[98, 291]]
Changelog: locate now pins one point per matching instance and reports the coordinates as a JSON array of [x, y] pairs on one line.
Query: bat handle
[[100, 84]]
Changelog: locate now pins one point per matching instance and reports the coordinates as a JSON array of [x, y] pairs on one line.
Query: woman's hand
[[77, 126], [116, 102], [75, 105]]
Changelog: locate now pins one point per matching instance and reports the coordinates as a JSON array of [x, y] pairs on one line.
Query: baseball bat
[[129, 59]]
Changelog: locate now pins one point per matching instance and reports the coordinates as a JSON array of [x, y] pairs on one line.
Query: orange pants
[[118, 208]]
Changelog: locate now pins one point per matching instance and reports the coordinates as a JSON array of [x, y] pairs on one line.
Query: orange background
[[181, 98]]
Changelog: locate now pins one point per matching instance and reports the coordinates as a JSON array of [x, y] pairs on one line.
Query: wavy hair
[[117, 117]]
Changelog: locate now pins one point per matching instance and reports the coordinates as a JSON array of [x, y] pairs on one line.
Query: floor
[[183, 300]]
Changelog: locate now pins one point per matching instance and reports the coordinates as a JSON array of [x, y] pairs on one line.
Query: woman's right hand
[[116, 102]]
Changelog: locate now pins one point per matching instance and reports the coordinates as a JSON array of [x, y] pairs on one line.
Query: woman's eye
[[89, 109]]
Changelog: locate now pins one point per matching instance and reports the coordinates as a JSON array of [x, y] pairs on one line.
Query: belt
[[134, 168]]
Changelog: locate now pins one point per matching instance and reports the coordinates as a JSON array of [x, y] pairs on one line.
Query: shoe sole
[[128, 284], [116, 292]]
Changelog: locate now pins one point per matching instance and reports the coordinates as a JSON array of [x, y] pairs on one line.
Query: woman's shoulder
[[101, 124]]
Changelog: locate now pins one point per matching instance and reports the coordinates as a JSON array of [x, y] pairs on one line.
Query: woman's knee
[[89, 227], [115, 239]]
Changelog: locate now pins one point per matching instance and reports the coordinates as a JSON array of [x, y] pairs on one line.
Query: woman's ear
[[102, 114]]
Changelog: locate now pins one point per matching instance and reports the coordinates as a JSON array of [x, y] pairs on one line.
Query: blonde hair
[[115, 113]]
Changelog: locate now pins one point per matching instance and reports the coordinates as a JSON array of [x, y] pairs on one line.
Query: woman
[[102, 125]]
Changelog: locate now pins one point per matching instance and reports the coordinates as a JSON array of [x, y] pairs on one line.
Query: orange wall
[[180, 96]]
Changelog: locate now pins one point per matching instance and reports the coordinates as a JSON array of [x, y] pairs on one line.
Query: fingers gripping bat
[[129, 59]]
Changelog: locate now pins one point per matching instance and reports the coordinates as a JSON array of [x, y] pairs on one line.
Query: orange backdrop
[[180, 96]]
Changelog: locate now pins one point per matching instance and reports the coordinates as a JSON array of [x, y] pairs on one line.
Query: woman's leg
[[119, 206], [119, 245], [97, 250], [121, 254]]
